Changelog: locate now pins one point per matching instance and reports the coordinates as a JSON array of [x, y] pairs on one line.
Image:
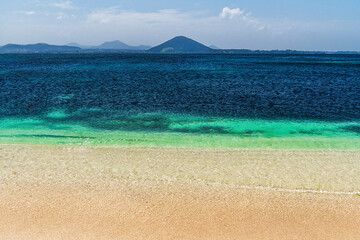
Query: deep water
[[80, 98]]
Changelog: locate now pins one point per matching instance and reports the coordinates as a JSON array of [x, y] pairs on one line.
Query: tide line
[[298, 190]]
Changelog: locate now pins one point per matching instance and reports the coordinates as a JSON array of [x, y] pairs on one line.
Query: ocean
[[181, 100]]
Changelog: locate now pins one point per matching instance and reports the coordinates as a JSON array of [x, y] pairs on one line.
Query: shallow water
[[238, 101]]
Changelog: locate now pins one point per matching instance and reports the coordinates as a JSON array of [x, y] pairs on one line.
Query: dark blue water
[[318, 87]]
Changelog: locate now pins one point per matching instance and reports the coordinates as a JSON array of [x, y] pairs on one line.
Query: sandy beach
[[60, 192]]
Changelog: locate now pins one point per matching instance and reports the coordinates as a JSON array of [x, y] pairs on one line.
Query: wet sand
[[50, 192]]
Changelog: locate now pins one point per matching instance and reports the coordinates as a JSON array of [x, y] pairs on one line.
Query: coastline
[[170, 193], [313, 170]]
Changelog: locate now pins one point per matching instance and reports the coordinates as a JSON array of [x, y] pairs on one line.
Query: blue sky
[[253, 24]]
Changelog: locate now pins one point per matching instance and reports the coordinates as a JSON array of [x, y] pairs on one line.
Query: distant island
[[176, 45], [181, 44], [38, 48], [112, 45]]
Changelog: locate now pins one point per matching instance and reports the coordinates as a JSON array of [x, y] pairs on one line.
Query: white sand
[[50, 192]]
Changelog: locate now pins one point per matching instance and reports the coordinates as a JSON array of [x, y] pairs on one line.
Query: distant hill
[[113, 45], [118, 45], [74, 44], [178, 44], [181, 44], [37, 48]]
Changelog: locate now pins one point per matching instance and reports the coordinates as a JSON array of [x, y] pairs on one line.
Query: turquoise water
[[226, 101], [171, 130]]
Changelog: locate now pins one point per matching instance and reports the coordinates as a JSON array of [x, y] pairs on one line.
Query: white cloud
[[231, 13], [24, 12], [60, 16], [29, 13], [113, 15], [63, 5], [171, 18], [159, 25], [244, 17], [169, 22]]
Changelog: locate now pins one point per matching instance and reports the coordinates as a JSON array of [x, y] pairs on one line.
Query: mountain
[[37, 48], [117, 45], [113, 45], [74, 44], [181, 44]]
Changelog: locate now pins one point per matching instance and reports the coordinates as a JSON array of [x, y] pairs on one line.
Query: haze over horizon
[[251, 24]]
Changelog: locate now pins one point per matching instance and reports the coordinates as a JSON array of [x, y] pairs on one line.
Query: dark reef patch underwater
[[261, 101]]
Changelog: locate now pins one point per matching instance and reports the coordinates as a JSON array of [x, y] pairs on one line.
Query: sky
[[331, 25]]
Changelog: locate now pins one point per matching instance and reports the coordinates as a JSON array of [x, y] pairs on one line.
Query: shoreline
[[322, 144], [285, 170], [82, 192], [169, 147]]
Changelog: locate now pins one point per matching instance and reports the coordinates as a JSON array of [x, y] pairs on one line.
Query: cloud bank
[[63, 5], [231, 13]]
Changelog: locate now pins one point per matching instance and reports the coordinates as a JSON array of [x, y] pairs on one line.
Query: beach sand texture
[[53, 192]]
